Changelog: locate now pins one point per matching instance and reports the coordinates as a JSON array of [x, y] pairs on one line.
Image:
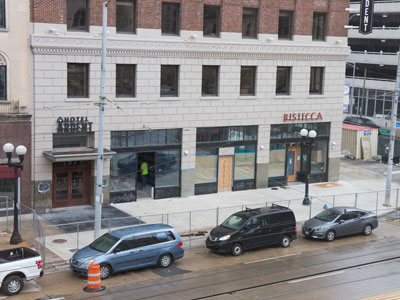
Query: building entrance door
[[291, 162], [225, 167], [70, 185]]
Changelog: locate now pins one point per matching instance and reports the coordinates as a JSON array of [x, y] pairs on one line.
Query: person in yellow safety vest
[[145, 171]]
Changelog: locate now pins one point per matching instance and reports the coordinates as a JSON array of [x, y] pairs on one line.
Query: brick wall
[[149, 14]]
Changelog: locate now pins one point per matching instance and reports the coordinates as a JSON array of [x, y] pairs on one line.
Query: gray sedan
[[340, 221]]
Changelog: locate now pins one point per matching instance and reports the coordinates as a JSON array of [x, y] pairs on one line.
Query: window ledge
[[78, 100], [248, 97], [4, 30], [5, 102], [170, 98], [210, 98], [283, 96], [316, 96], [125, 99]]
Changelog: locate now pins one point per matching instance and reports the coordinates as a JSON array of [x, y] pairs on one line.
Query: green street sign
[[384, 131]]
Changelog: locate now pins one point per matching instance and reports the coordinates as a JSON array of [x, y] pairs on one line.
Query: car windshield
[[370, 123], [104, 243], [327, 215], [234, 222]]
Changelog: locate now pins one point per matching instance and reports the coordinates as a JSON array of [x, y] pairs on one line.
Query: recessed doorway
[[145, 191]]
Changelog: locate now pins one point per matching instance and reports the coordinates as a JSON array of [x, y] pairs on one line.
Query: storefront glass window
[[123, 172], [60, 141], [236, 133], [319, 157], [245, 157], [167, 168], [7, 187], [277, 158], [287, 131], [123, 139], [206, 166]]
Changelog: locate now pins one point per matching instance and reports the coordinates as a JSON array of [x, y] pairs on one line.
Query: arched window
[[3, 78]]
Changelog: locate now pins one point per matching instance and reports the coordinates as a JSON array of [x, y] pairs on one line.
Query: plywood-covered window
[[245, 162], [206, 165]]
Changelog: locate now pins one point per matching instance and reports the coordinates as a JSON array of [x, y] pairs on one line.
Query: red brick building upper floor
[[285, 18]]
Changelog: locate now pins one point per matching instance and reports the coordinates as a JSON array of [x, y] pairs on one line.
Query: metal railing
[[193, 226]]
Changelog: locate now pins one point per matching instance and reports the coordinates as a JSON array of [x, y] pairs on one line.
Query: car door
[[345, 224], [252, 233], [120, 258], [358, 224]]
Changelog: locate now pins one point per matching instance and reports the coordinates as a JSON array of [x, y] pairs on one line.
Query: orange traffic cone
[[94, 279]]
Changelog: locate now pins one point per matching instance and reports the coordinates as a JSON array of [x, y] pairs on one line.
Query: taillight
[[375, 217], [39, 264], [180, 244], [295, 229]]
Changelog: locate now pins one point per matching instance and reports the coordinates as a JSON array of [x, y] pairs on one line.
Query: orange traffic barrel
[[94, 279]]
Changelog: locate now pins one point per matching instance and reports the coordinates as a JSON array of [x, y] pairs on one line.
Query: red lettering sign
[[310, 116]]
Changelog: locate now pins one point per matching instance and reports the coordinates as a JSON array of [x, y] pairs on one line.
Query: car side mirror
[[341, 221]]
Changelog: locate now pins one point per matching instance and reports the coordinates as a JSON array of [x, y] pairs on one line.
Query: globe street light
[[308, 140], [21, 151]]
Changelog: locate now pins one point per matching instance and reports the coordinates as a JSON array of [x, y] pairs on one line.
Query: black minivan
[[254, 228]]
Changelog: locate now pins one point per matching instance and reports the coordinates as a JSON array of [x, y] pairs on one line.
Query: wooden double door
[[71, 185]]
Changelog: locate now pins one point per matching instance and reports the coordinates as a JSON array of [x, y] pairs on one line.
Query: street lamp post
[[21, 150], [308, 139]]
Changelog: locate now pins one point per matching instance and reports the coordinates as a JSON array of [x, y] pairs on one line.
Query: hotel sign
[[366, 13], [310, 116], [73, 125]]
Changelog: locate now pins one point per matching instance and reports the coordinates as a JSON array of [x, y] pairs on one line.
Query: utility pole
[[100, 147], [392, 135]]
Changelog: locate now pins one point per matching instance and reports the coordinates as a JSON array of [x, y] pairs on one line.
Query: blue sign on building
[[367, 132]]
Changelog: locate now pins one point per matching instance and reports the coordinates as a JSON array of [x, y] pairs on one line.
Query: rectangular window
[[78, 81], [168, 165], [125, 81], [277, 160], [123, 173], [316, 80], [170, 18], [211, 21], [209, 86], [285, 29], [126, 16], [169, 81], [249, 23], [77, 15], [2, 14], [70, 141], [3, 83], [248, 81], [283, 81], [245, 158], [318, 33], [206, 165]]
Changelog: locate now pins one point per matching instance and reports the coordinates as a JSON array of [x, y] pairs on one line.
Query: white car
[[17, 265]]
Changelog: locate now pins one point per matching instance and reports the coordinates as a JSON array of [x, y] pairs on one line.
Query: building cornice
[[187, 49]]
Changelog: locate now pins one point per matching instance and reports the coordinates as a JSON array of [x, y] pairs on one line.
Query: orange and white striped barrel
[[94, 279]]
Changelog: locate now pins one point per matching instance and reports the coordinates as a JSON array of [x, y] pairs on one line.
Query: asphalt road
[[345, 271]]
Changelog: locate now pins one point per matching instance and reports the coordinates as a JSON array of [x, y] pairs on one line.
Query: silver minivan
[[130, 248]]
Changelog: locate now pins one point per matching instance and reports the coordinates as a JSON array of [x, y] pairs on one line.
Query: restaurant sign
[[310, 116]]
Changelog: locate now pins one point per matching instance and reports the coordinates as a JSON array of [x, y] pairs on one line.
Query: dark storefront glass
[[123, 177], [226, 134], [167, 168], [69, 141], [139, 138], [7, 187]]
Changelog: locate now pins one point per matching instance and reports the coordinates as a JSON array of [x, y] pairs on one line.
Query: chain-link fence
[[57, 242]]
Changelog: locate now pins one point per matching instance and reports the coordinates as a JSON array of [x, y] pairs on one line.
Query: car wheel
[[367, 229], [105, 271], [165, 261], [12, 285], [285, 241], [237, 250], [330, 235]]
